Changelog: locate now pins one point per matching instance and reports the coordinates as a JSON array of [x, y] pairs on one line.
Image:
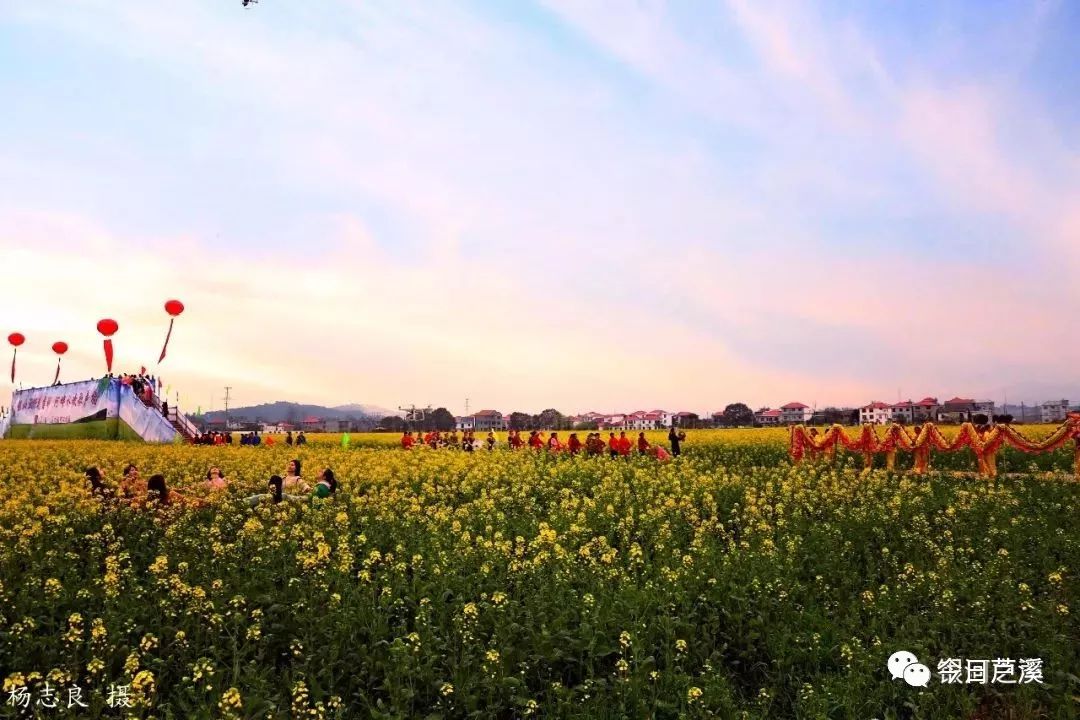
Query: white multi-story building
[[615, 421], [795, 413], [482, 421], [924, 410], [486, 420], [902, 412], [1055, 410], [960, 409], [876, 413], [765, 416], [647, 420]]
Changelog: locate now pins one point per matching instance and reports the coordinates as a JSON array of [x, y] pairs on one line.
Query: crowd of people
[[249, 438], [213, 438], [145, 387], [594, 444], [132, 491]]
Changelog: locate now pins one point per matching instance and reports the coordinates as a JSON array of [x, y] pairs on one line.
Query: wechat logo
[[903, 664]]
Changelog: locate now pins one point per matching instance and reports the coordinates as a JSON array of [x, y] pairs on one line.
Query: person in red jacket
[[613, 445], [573, 444], [642, 444], [553, 443], [659, 453], [407, 440], [624, 445], [534, 440]]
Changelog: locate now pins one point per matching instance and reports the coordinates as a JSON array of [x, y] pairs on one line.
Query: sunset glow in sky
[[678, 205]]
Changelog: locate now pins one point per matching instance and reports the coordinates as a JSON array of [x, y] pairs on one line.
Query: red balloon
[[59, 348], [16, 339], [174, 307], [107, 327]]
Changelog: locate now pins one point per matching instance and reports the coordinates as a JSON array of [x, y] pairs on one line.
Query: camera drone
[[250, 2]]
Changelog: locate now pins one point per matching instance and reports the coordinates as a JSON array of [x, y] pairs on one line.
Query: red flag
[[108, 328], [59, 347], [166, 345], [174, 308], [15, 339]]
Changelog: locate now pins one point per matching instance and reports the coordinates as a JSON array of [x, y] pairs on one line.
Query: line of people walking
[[594, 444]]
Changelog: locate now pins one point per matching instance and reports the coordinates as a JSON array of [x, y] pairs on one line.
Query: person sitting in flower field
[[276, 488], [490, 441], [98, 489], [215, 480], [326, 486], [293, 481], [158, 493], [659, 453], [642, 444], [131, 487], [274, 493]]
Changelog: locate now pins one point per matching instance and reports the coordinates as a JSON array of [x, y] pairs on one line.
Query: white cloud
[[563, 243]]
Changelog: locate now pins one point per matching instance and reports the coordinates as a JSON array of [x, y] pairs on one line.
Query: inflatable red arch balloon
[[15, 339], [108, 328], [173, 308]]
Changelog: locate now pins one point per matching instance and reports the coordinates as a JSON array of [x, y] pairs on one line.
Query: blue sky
[[677, 204]]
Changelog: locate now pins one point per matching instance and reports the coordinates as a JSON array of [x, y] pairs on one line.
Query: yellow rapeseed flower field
[[725, 583]]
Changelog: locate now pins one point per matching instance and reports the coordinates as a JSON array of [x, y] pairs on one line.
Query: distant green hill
[[291, 412]]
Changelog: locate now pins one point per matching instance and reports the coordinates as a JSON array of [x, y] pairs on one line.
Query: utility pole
[[227, 389]]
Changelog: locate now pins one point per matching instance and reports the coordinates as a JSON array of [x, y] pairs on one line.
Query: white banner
[[71, 403], [147, 422], [103, 409]]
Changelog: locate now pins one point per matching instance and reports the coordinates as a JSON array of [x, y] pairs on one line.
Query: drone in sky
[[250, 2]]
